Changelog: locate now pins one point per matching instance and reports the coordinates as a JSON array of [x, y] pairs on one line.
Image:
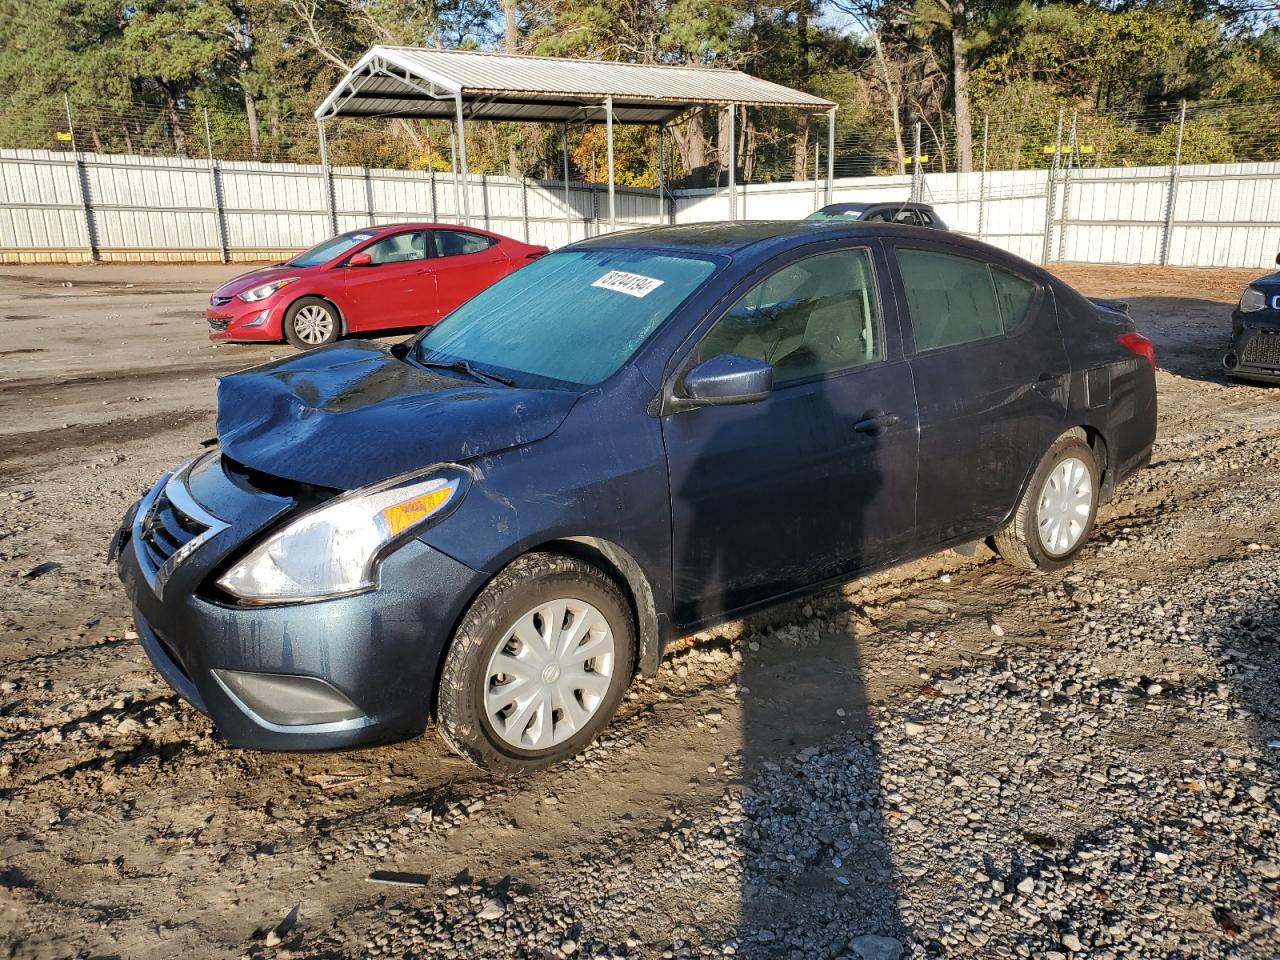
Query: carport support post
[[462, 160], [1171, 192], [817, 162], [662, 176], [326, 175], [453, 171], [608, 122], [568, 207], [831, 154], [733, 162]]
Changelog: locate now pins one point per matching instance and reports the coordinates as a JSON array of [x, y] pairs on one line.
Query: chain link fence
[[1194, 184]]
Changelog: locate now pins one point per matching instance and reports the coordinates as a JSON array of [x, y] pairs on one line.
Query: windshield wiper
[[464, 366]]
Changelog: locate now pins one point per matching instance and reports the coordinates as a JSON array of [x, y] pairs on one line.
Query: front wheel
[[311, 322], [1055, 516], [537, 666]]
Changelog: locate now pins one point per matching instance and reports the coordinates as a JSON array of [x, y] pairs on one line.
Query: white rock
[[492, 910]]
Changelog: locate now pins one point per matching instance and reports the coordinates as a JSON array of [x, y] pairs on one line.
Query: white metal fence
[[57, 207]]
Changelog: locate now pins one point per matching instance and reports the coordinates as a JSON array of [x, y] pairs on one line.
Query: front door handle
[[875, 422]]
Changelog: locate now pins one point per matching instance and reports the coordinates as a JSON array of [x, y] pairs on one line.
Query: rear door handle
[[876, 422]]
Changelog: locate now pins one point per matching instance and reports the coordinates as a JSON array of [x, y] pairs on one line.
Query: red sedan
[[383, 278]]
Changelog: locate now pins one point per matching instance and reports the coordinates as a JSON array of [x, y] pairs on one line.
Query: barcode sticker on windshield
[[632, 284]]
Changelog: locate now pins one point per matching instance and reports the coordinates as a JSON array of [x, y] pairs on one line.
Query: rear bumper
[[378, 650]]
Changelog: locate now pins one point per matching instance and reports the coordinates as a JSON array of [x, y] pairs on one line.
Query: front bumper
[[243, 322], [1254, 353], [379, 650]]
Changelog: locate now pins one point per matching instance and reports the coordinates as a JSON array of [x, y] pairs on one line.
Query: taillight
[[1137, 343]]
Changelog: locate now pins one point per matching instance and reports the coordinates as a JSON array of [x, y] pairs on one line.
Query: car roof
[[761, 239], [728, 238], [382, 228], [724, 237]]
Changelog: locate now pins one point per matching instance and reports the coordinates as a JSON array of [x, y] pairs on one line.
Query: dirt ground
[[127, 828]]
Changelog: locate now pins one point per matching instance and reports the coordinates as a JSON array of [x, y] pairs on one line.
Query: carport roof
[[419, 82]]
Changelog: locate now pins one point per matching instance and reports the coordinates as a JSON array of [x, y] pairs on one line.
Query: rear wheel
[[1056, 514], [537, 666], [311, 322]]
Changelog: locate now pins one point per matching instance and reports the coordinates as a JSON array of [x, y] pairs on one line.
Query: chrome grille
[[1262, 351], [219, 301], [166, 530], [219, 323]]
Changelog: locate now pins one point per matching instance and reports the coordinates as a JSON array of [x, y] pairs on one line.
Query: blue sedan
[[495, 524]]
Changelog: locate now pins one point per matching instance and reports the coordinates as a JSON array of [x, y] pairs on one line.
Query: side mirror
[[1278, 259], [727, 379], [360, 260]]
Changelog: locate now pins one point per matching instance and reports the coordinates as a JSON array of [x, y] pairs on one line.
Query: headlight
[[1252, 300], [334, 549], [265, 290]]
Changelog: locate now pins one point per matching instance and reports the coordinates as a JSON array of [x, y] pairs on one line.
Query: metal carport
[[461, 85]]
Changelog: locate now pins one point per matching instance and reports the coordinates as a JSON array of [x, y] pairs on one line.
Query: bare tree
[[869, 16]]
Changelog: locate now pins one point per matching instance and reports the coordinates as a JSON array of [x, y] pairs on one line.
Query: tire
[[305, 329], [1023, 542], [472, 682]]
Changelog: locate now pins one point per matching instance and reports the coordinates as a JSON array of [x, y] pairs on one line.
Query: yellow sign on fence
[[1066, 148], [923, 158], [62, 135]]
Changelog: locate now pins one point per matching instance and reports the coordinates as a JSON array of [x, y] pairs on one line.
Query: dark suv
[[495, 523], [1254, 353]]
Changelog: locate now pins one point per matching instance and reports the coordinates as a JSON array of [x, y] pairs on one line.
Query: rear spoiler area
[[1111, 306]]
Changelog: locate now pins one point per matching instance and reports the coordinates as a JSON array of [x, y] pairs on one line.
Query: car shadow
[[817, 873]]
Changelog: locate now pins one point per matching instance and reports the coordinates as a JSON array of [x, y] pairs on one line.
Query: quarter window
[[459, 243], [815, 316], [955, 300]]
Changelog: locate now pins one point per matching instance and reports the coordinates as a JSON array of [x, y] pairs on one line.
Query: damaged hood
[[352, 414]]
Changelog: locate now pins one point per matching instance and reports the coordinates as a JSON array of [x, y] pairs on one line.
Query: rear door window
[[952, 299], [459, 243], [1014, 294], [814, 316]]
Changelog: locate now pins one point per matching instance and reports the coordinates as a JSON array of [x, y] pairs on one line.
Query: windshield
[[573, 317], [836, 213], [324, 252]]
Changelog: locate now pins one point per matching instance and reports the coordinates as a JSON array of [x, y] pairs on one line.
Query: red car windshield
[[324, 252]]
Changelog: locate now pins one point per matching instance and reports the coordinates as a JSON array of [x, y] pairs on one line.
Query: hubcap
[[313, 324], [550, 674], [1065, 502]]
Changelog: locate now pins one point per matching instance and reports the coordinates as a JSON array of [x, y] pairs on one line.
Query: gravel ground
[[949, 759]]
